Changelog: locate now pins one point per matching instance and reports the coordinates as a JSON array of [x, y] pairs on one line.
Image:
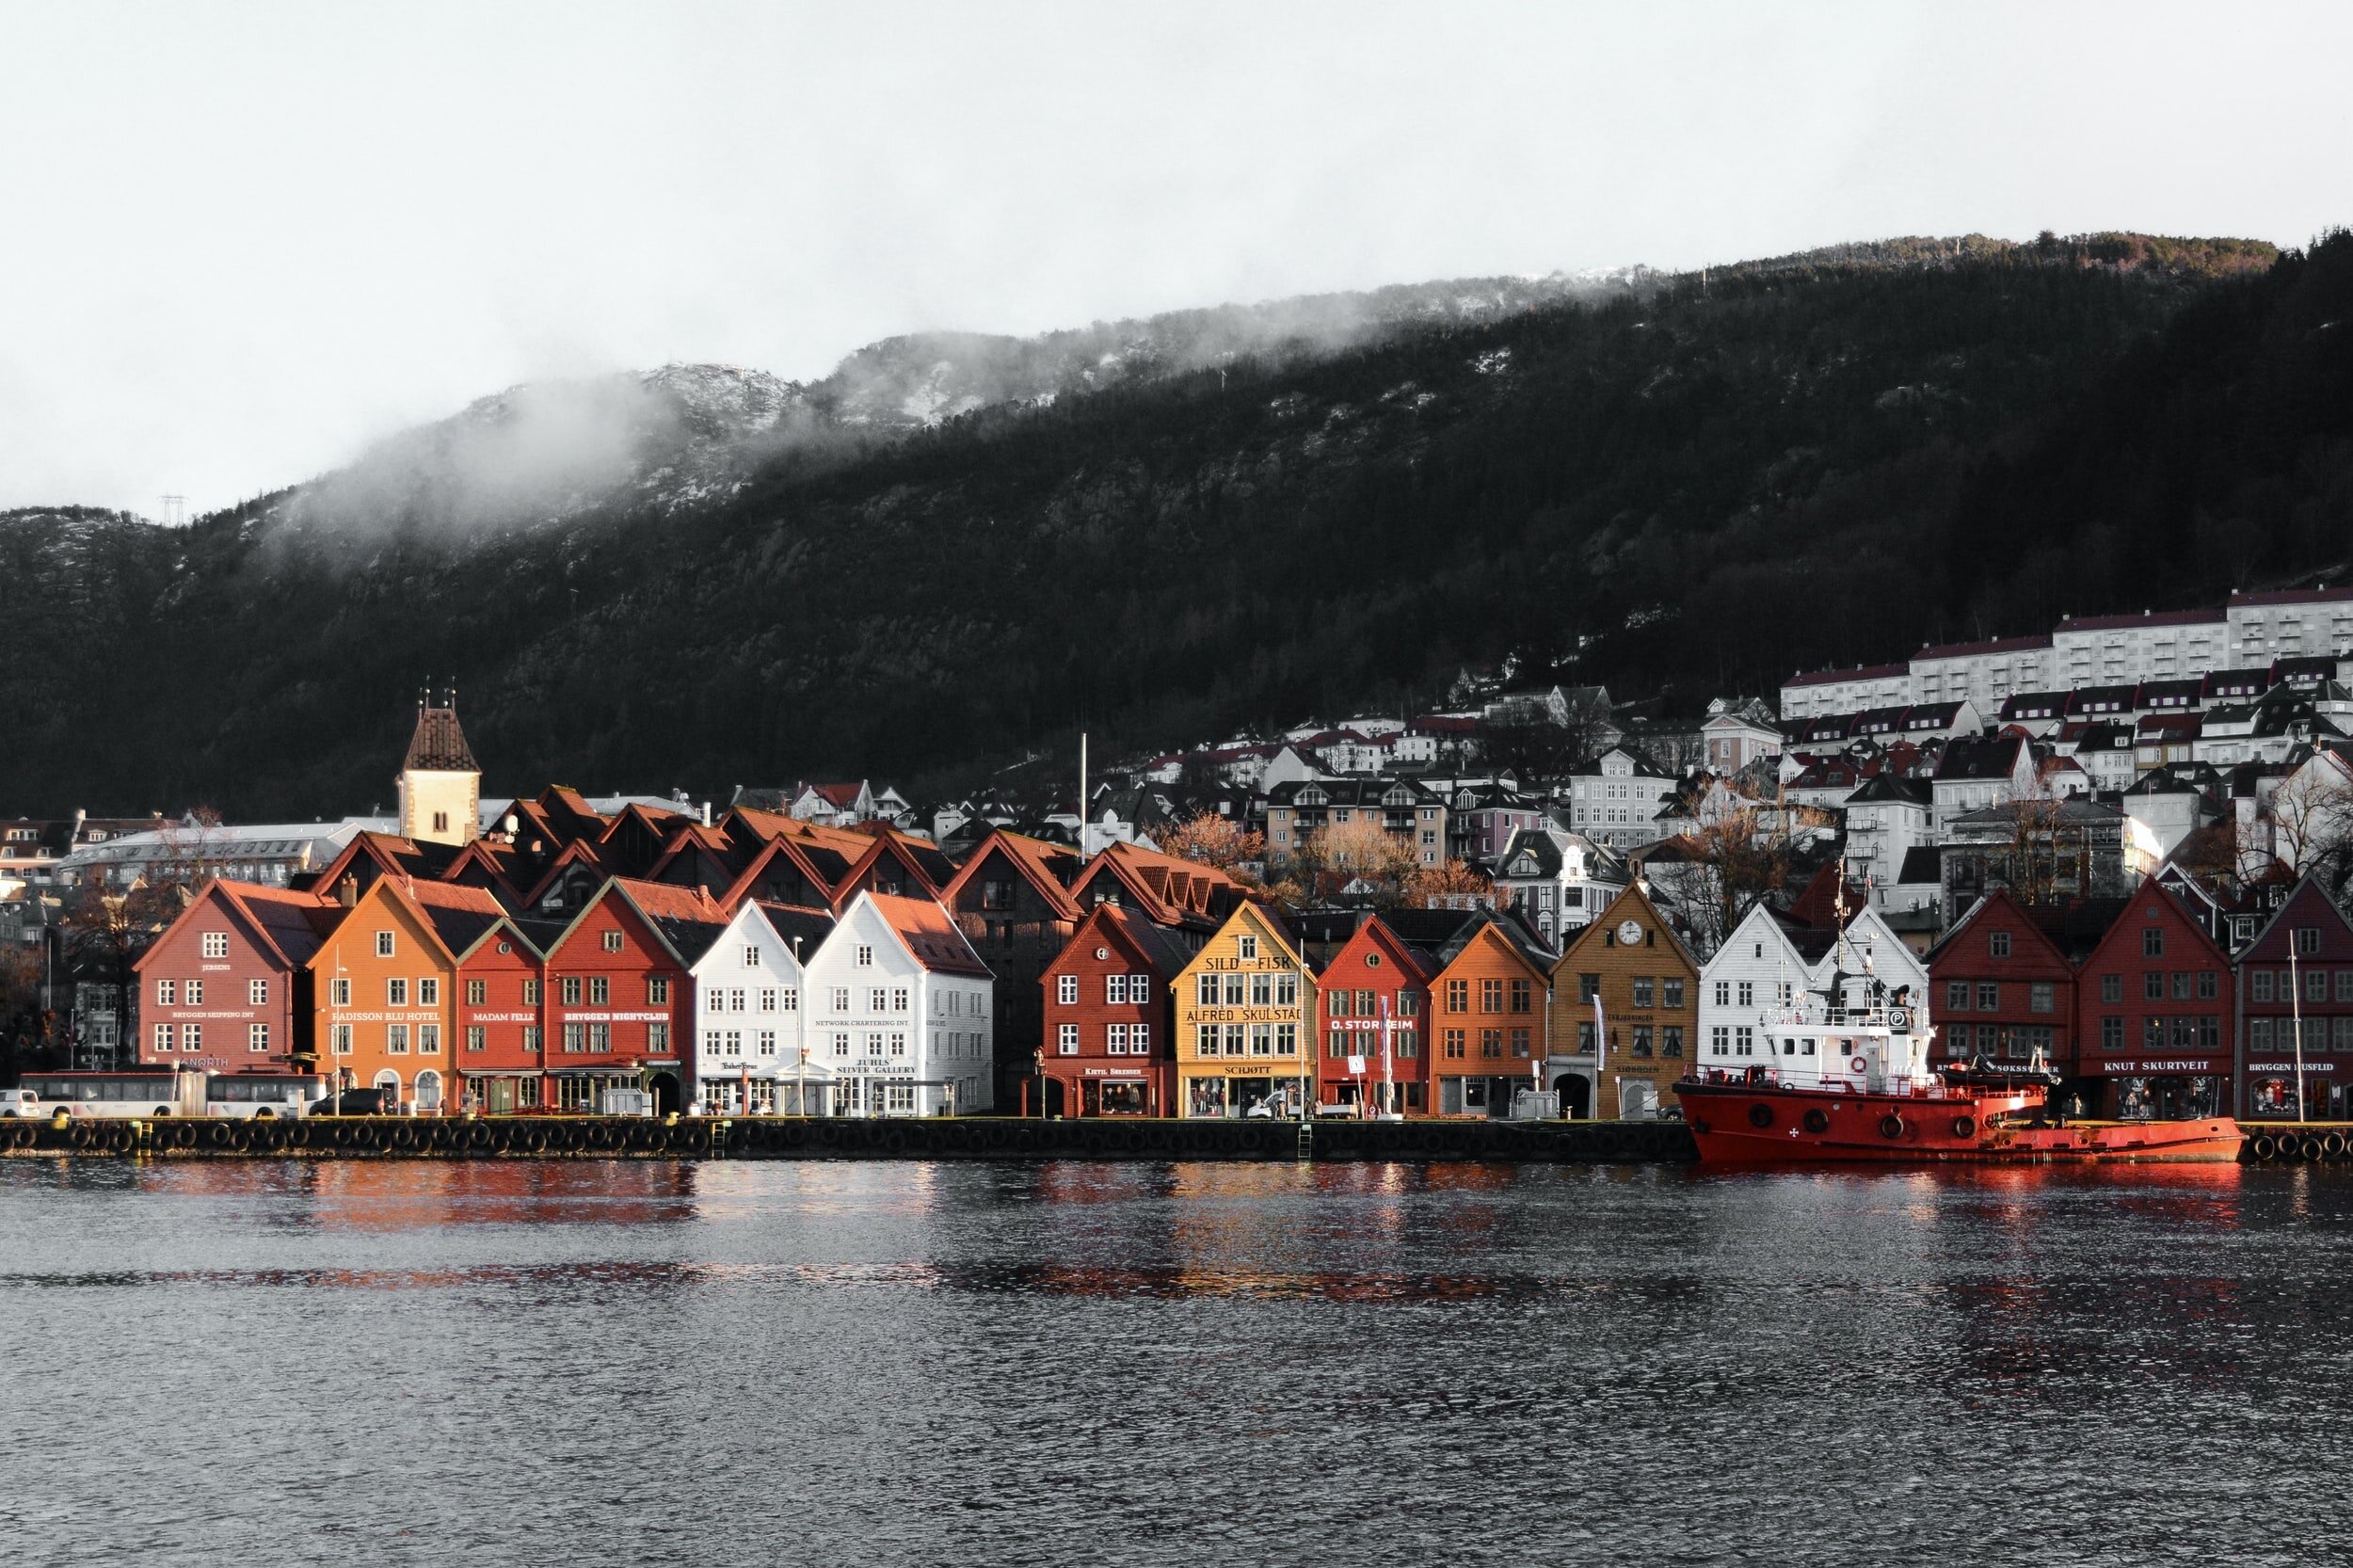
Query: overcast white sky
[[239, 241]]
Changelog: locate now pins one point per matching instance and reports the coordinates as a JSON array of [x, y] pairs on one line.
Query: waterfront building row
[[2147, 1005]]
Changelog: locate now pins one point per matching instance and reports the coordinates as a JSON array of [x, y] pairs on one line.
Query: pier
[[840, 1138]]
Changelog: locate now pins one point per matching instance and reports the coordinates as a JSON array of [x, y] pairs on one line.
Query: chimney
[[347, 890]]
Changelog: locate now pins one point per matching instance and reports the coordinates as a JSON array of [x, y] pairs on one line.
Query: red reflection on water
[[398, 1194]]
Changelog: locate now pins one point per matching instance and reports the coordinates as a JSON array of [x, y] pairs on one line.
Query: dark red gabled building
[[2297, 972], [2152, 1005], [2002, 982], [1111, 1017], [619, 1000]]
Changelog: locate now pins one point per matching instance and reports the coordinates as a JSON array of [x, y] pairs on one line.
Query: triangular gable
[[2129, 923], [1030, 859], [2307, 891], [1632, 902], [1985, 904], [1376, 935], [580, 854], [647, 904]]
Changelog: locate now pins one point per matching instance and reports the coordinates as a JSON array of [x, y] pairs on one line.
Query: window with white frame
[[1068, 1039], [257, 1037], [216, 944], [383, 944], [1066, 989]]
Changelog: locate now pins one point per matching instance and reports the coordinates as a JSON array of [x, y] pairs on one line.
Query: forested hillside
[[1693, 483]]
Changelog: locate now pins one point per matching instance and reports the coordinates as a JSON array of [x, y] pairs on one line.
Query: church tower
[[441, 783]]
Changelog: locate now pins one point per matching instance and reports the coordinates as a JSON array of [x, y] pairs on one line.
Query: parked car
[[15, 1103], [352, 1102]]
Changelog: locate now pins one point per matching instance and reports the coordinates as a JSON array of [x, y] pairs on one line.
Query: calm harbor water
[[1178, 1363]]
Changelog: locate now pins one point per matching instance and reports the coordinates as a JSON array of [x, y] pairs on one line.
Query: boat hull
[[1741, 1124]]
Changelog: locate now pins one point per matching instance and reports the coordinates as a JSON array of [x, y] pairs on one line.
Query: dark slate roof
[[1921, 864], [1992, 757], [1887, 785]]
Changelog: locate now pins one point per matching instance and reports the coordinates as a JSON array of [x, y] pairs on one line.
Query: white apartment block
[[2121, 650], [2300, 624], [1984, 673]]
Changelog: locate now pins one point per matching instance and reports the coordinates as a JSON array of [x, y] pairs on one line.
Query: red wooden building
[[500, 1057], [1373, 993], [1110, 1020], [2002, 982], [227, 987], [2297, 973], [619, 1005], [2153, 1023]]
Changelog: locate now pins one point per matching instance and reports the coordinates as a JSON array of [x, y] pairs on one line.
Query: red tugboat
[[1855, 1084]]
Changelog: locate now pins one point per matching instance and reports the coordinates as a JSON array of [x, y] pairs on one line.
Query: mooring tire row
[[828, 1138], [2295, 1146]]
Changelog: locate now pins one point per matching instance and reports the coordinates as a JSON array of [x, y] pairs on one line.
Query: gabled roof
[[1817, 906], [438, 745], [930, 937], [285, 924], [1156, 944], [1889, 787], [460, 915], [1040, 864], [684, 920], [1166, 889], [1991, 758]]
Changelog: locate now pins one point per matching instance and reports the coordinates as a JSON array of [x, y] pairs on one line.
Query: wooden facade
[[227, 988], [1648, 985], [1243, 1006], [1372, 1003], [1489, 1024], [2153, 1015], [1108, 1005]]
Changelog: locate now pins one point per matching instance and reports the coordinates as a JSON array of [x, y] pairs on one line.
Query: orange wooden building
[[1487, 1019]]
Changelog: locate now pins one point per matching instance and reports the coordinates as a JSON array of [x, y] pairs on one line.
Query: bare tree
[[2312, 818]]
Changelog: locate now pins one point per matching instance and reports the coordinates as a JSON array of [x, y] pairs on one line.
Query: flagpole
[[1601, 1050]]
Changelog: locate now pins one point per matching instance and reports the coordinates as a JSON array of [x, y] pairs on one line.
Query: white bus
[[141, 1093], [263, 1095]]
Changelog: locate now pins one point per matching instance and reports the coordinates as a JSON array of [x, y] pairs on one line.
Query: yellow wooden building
[[1244, 1006]]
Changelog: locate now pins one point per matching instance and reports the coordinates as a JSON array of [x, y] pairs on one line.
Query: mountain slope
[[1696, 481]]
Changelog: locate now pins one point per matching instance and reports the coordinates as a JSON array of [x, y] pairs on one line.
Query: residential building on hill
[[1557, 880]]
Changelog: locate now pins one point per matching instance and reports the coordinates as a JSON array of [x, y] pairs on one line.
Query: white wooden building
[[750, 1011], [1770, 968], [899, 1009]]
